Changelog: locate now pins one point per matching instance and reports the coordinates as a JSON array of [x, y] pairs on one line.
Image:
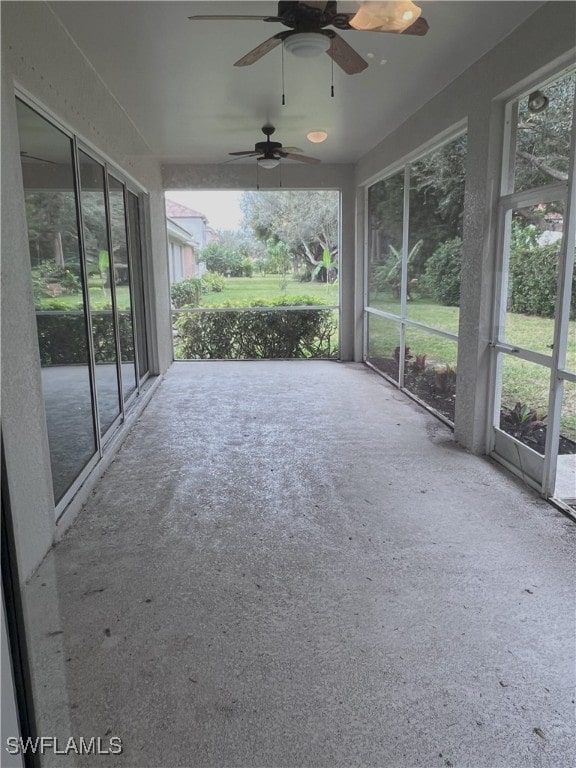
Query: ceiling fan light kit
[[306, 45], [386, 16], [268, 162]]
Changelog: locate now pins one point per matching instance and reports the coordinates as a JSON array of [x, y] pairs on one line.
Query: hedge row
[[240, 334]]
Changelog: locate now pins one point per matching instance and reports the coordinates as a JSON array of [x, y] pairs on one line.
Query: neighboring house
[[188, 233], [182, 251]]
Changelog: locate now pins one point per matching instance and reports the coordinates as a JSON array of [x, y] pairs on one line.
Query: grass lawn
[[268, 287], [522, 381]]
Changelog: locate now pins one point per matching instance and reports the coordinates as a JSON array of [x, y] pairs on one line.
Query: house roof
[[180, 235], [178, 211]]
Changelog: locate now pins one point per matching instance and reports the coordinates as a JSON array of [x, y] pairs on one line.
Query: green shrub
[[441, 278], [241, 334], [247, 267], [214, 281], [533, 278], [186, 293]]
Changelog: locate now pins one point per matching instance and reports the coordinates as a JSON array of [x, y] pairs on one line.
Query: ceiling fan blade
[[258, 52], [420, 27], [300, 158], [247, 152], [239, 157], [296, 150], [345, 56], [232, 18]]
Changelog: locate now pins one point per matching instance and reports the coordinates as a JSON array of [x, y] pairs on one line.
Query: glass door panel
[[59, 295], [101, 291], [122, 282]]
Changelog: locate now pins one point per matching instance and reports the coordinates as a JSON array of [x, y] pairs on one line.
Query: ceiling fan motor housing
[[268, 148]]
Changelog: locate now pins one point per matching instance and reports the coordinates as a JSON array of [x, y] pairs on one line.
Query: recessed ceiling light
[[370, 55], [317, 136]]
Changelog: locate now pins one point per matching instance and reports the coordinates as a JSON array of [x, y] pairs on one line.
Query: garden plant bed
[[437, 388], [523, 424]]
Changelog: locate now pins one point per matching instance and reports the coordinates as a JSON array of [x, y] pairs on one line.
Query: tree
[[228, 254], [306, 221], [543, 139], [279, 260]]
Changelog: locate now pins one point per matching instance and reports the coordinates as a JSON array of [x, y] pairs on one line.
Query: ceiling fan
[[308, 35], [269, 153]]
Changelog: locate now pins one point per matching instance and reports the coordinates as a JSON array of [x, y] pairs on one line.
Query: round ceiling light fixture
[[307, 44], [317, 136], [268, 162]]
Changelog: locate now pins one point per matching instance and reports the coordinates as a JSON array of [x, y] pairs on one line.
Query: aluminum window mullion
[[508, 166], [115, 318], [547, 194], [365, 259], [404, 277], [567, 375], [131, 285], [86, 292], [522, 353]]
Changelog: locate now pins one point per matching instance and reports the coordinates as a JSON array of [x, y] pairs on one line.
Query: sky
[[221, 208]]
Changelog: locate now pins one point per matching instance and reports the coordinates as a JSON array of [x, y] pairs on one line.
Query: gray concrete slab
[[291, 564]]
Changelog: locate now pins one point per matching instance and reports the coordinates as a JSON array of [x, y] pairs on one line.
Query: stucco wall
[[41, 60]]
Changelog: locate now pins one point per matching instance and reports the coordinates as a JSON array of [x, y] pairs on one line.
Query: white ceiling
[[176, 80]]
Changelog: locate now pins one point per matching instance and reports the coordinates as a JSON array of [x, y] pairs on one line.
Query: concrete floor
[[291, 564]]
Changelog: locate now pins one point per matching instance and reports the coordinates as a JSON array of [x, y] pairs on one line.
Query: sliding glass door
[[60, 296], [84, 238]]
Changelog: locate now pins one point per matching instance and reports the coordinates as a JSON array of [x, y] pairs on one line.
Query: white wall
[[542, 45], [39, 58]]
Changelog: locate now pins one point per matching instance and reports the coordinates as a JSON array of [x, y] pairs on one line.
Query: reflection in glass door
[[88, 280], [101, 289], [122, 276], [59, 295], [534, 336]]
